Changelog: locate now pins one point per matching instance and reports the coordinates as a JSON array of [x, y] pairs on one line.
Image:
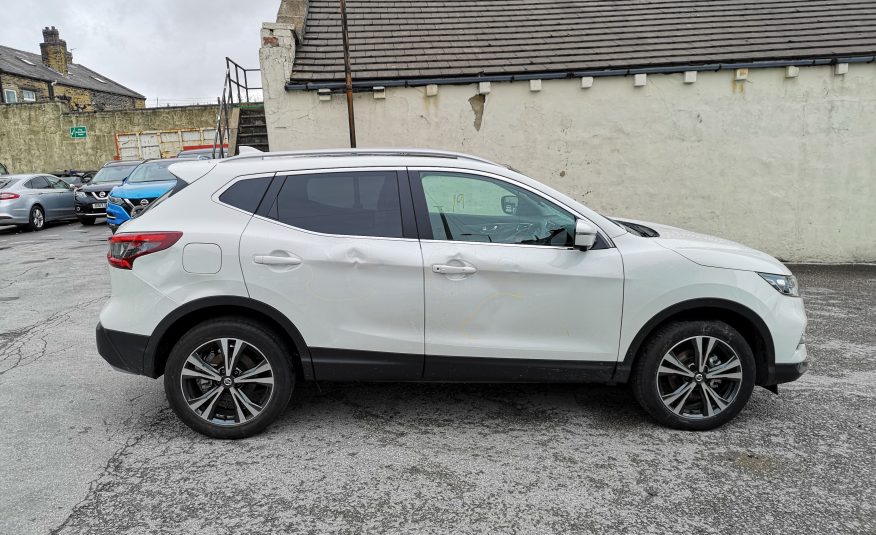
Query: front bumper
[[785, 373], [123, 351], [116, 215], [86, 209]]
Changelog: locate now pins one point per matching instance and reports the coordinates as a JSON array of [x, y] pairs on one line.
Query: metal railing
[[236, 85]]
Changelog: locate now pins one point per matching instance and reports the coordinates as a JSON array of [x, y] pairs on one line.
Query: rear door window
[[352, 203], [39, 182]]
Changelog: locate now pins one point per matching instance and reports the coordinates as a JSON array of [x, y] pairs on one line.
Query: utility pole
[[348, 75]]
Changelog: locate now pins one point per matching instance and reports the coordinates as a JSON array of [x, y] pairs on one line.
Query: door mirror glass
[[585, 234], [509, 204]]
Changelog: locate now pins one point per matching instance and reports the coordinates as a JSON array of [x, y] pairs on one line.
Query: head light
[[115, 200], [80, 194], [784, 284]]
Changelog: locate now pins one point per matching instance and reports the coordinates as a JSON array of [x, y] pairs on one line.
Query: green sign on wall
[[78, 132]]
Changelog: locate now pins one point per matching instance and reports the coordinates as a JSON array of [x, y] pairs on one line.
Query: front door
[[507, 295], [333, 253]]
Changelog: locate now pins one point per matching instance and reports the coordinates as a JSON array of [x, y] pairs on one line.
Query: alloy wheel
[[227, 381], [699, 377], [38, 218]]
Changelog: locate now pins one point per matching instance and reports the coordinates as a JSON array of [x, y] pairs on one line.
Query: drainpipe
[[348, 75]]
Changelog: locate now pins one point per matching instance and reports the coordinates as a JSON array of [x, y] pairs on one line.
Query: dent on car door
[[334, 253], [508, 297]]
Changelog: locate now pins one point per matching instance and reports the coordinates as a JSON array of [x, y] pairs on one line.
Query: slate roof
[[407, 39], [79, 75]]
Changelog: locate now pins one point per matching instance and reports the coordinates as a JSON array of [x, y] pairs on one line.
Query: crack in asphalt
[[26, 345], [91, 506]]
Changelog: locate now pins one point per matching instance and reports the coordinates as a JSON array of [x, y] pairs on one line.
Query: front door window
[[479, 209]]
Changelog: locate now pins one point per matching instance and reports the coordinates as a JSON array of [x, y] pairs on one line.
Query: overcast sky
[[172, 50]]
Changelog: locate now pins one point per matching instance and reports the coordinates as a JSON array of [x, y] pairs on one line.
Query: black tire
[[267, 345], [693, 415], [37, 220], [87, 221]]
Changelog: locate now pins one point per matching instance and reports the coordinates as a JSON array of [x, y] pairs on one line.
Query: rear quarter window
[[246, 194]]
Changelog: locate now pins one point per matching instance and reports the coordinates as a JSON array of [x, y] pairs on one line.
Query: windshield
[[113, 173], [152, 172]]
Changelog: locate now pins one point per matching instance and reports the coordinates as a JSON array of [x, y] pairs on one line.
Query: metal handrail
[[233, 85]]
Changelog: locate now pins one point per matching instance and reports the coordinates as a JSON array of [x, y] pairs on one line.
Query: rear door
[[507, 295], [337, 253], [62, 198]]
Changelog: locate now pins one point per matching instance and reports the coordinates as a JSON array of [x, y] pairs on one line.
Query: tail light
[[4, 196], [125, 248]]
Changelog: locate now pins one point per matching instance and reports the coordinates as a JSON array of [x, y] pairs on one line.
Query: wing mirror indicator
[[585, 234]]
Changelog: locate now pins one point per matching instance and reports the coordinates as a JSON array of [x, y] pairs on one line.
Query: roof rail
[[426, 153]]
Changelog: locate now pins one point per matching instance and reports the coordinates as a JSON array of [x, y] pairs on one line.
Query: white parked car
[[259, 271]]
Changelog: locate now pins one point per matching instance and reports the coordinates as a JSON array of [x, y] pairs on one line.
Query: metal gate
[[161, 143]]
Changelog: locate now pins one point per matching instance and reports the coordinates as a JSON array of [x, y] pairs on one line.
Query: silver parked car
[[32, 200]]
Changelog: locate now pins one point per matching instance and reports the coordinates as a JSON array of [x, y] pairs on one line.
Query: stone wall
[[36, 137], [783, 164]]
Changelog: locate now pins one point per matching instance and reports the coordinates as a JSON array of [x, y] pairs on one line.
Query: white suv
[[261, 270]]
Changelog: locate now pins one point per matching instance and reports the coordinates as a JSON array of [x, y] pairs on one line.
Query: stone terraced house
[[51, 75]]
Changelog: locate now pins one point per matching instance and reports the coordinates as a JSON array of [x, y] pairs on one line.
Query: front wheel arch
[[178, 322], [743, 319]]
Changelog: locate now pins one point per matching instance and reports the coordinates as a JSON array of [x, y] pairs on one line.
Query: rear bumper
[[123, 351], [11, 219]]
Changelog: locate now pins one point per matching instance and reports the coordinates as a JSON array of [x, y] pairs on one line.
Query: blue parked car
[[147, 182]]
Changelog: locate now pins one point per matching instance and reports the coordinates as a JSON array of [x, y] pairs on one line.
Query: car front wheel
[[694, 375], [229, 378]]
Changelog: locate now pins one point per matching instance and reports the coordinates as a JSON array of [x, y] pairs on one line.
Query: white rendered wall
[[786, 165]]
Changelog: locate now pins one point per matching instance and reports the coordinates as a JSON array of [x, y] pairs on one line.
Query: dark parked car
[[200, 154], [91, 198]]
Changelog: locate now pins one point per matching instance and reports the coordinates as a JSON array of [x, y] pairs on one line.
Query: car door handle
[[453, 270], [269, 260]]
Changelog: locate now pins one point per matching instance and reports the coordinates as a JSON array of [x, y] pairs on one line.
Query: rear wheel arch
[[181, 320], [749, 324]]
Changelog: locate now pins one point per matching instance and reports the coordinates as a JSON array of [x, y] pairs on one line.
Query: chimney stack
[[54, 51]]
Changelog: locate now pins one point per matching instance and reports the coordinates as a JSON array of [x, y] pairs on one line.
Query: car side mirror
[[509, 204], [585, 234]]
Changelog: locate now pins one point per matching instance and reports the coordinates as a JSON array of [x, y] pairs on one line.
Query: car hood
[[712, 251], [146, 190], [103, 186]]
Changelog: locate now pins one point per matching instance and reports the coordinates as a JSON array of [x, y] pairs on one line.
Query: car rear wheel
[[694, 375], [229, 378], [37, 218]]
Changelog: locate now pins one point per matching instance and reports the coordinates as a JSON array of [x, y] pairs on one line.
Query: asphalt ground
[[86, 449]]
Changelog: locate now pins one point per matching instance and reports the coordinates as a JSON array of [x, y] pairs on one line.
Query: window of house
[[10, 96], [479, 209], [28, 95], [356, 203]]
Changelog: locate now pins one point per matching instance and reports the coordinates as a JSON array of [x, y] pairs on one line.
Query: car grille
[[100, 196], [130, 204]]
